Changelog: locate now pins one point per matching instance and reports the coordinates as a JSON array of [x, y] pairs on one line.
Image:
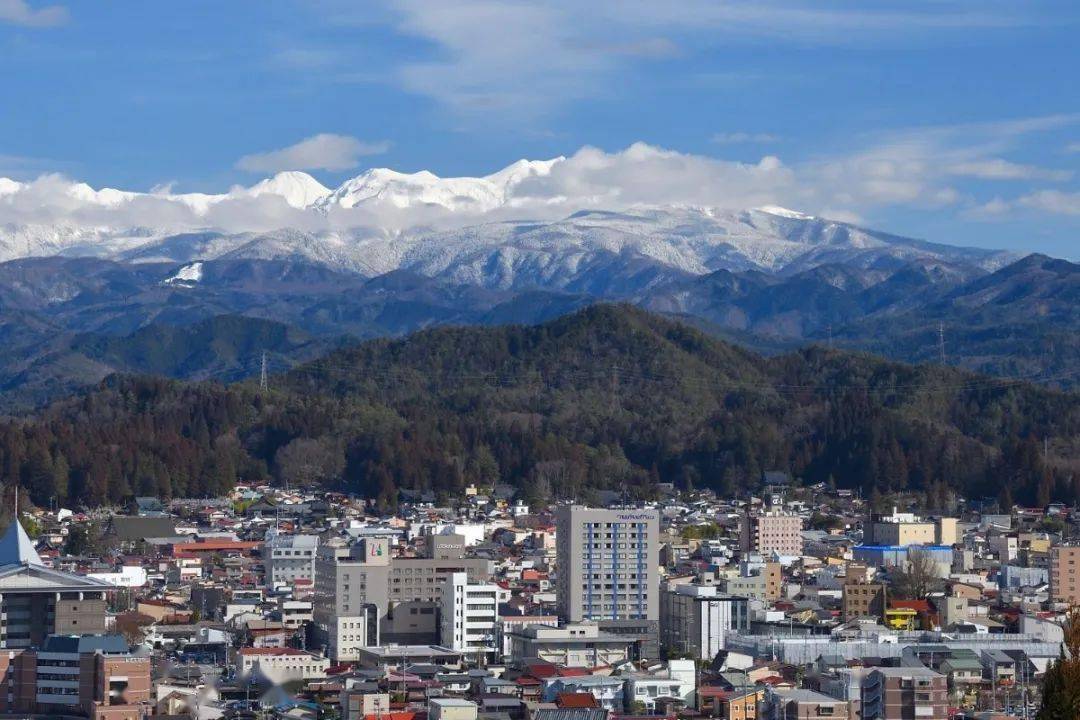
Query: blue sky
[[951, 120]]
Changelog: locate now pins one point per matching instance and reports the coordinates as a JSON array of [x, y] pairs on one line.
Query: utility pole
[[941, 341], [263, 382]]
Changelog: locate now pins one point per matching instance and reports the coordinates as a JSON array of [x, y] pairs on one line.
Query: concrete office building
[[574, 645], [696, 619], [469, 616], [608, 570], [37, 601], [289, 558], [364, 596], [771, 532]]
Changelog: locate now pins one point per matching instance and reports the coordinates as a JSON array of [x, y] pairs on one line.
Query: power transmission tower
[[941, 341], [263, 382]]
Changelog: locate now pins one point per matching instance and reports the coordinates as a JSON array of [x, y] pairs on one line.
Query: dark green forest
[[607, 398]]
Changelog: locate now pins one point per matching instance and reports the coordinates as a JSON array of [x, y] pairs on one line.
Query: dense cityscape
[[793, 602]]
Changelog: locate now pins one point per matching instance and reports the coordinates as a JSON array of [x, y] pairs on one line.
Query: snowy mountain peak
[[297, 188], [401, 190], [783, 212], [513, 174]]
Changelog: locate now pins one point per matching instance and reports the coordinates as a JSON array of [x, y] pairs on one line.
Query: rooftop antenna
[[941, 341], [263, 384]]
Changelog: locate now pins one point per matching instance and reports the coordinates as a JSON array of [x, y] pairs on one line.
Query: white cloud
[[526, 58], [925, 168], [1052, 201], [325, 151], [736, 138], [1073, 147], [999, 169], [19, 12]]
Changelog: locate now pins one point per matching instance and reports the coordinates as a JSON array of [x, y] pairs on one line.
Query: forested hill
[[608, 397]]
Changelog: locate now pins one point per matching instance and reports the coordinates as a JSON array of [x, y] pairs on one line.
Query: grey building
[[37, 601], [364, 596], [608, 570], [696, 619], [288, 558]]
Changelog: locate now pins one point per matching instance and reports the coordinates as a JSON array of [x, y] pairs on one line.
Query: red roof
[[392, 716], [922, 606], [575, 700], [573, 672]]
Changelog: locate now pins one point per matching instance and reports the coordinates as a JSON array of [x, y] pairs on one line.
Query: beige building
[[771, 532], [1065, 574], [357, 704], [862, 600], [452, 709], [281, 665], [907, 529]]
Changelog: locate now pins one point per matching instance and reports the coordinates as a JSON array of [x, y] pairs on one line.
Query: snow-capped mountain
[[298, 189], [502, 230]]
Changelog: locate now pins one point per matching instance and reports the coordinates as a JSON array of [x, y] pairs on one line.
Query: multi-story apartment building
[[608, 570], [696, 619], [469, 616], [902, 693], [863, 600], [289, 558], [771, 532], [364, 596], [93, 676], [1065, 574]]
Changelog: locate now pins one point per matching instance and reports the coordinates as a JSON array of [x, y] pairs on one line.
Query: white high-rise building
[[469, 615]]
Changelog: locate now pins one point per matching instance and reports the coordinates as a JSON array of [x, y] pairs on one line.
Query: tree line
[[609, 398]]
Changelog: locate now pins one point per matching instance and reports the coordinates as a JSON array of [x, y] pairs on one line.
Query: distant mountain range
[[99, 281]]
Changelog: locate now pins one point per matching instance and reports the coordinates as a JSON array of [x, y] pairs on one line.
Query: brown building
[[90, 675], [807, 705], [1065, 574], [774, 581], [903, 693], [730, 705], [863, 600]]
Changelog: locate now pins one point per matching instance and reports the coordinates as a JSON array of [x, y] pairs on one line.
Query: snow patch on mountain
[[187, 275]]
